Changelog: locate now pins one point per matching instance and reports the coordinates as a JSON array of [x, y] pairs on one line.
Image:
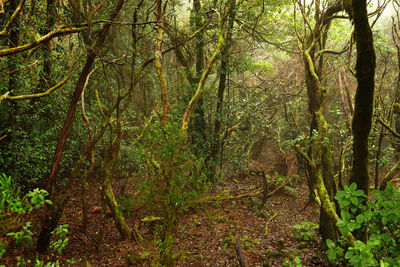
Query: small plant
[[22, 262], [12, 206], [40, 263], [3, 247], [37, 197], [24, 237], [295, 263], [62, 241], [304, 231]]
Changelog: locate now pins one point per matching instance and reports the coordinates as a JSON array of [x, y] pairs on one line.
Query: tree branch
[[390, 129], [7, 96], [41, 40], [7, 28]]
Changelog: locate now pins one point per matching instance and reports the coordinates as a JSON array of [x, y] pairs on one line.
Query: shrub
[[381, 217]]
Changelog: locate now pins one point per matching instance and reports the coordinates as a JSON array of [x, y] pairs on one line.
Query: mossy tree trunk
[[47, 61], [319, 151], [160, 9], [206, 72], [362, 119], [110, 164], [198, 125], [212, 160]]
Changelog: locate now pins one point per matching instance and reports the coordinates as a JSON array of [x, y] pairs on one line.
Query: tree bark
[[158, 64], [364, 99], [362, 119], [319, 151], [212, 161]]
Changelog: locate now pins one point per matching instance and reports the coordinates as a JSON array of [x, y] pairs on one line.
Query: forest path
[[205, 235]]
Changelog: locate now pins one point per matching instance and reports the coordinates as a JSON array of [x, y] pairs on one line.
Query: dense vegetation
[[158, 103]]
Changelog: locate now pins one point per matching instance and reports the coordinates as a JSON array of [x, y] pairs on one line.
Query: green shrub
[[12, 206], [381, 217]]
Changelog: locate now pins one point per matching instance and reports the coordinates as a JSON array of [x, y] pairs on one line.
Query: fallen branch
[[276, 190], [221, 198], [251, 194], [240, 253], [267, 223]]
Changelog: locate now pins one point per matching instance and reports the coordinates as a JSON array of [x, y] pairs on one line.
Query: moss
[[136, 259]]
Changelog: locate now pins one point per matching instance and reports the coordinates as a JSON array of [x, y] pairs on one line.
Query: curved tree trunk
[[50, 223]]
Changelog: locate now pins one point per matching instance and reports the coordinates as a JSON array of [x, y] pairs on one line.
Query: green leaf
[[341, 223], [330, 243], [359, 193], [353, 187], [354, 200], [360, 218], [340, 195]]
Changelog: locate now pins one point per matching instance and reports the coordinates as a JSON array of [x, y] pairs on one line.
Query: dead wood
[[240, 253]]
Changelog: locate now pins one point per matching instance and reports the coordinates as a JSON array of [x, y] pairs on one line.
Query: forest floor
[[205, 236]]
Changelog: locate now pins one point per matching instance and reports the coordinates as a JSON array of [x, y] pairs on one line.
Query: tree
[[312, 48], [364, 99]]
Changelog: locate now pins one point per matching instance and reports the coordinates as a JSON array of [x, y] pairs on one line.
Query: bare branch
[[18, 69]]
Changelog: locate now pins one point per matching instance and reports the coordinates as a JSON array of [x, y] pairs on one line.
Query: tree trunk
[[158, 64], [47, 61], [198, 125], [212, 161], [364, 99], [75, 97], [319, 152], [362, 119], [56, 210]]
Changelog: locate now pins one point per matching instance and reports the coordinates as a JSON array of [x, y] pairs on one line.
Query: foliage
[[295, 263], [304, 230], [62, 241], [24, 237], [12, 203], [174, 179], [382, 219]]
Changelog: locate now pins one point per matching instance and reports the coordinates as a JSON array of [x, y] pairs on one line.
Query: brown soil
[[205, 234]]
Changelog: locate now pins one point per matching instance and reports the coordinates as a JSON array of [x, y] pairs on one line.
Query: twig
[[276, 190], [18, 69], [267, 223]]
